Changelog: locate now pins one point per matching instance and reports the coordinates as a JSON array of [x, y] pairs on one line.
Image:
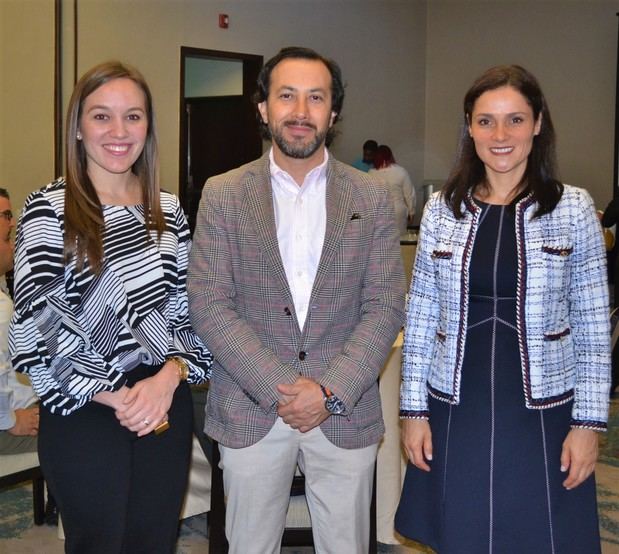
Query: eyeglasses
[[6, 214]]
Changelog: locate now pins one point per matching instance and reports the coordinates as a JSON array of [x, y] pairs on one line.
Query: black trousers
[[117, 493]]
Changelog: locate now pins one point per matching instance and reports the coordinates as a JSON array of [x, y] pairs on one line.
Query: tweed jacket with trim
[[562, 308]]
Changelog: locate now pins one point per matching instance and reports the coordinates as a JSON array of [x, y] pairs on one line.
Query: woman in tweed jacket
[[506, 356]]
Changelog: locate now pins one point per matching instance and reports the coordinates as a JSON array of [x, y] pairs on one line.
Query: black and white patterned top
[[76, 333]]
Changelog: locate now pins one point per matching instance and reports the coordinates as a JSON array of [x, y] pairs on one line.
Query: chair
[[293, 536], [17, 468]]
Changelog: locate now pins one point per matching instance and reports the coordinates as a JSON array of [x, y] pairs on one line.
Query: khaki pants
[[10, 444], [338, 490]]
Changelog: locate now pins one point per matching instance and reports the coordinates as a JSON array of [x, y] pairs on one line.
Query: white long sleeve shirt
[[13, 394], [301, 219], [401, 190]]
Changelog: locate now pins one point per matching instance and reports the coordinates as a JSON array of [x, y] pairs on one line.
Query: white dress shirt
[[301, 219], [13, 394], [401, 190]]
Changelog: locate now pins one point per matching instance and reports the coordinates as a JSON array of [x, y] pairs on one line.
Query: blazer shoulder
[[437, 208], [363, 183], [575, 195], [239, 175], [574, 202]]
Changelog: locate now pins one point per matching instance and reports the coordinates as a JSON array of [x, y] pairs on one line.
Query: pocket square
[[355, 216]]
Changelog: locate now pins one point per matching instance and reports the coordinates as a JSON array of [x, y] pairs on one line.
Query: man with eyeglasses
[[19, 414], [7, 215]]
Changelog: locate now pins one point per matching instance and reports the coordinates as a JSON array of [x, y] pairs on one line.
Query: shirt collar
[[317, 173]]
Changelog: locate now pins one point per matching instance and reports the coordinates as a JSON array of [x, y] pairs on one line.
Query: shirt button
[[302, 355]]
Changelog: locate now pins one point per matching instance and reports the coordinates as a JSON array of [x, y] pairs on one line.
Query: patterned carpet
[[18, 535], [15, 511], [607, 475]]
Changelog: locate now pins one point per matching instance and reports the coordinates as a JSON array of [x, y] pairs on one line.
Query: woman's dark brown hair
[[539, 178], [83, 211]]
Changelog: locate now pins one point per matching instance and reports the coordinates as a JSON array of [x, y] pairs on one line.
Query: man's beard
[[298, 150]]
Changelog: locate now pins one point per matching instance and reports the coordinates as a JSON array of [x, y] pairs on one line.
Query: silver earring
[[79, 136]]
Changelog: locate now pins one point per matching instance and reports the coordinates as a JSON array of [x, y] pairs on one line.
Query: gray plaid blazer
[[240, 304]]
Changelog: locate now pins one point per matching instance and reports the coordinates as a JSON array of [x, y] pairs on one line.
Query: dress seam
[[497, 251], [548, 503]]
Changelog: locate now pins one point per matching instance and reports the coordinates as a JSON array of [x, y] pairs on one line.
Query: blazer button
[[302, 355], [287, 311]]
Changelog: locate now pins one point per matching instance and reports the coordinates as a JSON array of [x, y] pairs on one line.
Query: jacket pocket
[[442, 261], [557, 363], [557, 261], [557, 250], [557, 336]]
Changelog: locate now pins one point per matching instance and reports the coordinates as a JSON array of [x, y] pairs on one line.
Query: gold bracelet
[[183, 368]]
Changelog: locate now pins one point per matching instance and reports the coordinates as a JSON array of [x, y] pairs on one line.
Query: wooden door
[[222, 136], [217, 133]]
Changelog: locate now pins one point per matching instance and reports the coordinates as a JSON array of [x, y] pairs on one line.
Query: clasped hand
[[144, 406], [302, 404]]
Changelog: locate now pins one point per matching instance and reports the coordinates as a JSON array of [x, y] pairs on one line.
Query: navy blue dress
[[495, 484]]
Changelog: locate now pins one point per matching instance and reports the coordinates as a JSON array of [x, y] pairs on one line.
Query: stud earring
[[79, 136]]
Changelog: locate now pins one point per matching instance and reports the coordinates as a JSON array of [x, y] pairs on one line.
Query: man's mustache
[[296, 123]]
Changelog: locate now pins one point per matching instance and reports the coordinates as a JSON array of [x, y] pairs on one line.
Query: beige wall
[[26, 96], [379, 45], [571, 46], [407, 64]]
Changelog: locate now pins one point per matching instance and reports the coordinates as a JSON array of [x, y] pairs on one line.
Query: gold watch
[[183, 368]]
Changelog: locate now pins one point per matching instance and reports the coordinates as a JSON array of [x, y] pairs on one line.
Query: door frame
[[252, 63]]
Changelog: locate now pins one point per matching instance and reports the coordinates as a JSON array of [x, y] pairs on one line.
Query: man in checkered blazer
[[296, 286]]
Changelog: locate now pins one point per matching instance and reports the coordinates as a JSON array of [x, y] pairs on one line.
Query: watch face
[[334, 405]]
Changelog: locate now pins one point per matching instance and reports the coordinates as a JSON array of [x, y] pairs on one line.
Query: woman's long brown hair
[[83, 211]]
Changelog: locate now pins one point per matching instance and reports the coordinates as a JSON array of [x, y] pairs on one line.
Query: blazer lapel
[[260, 203], [339, 202]]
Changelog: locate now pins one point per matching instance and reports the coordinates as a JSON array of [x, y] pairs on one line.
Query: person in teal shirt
[[367, 161]]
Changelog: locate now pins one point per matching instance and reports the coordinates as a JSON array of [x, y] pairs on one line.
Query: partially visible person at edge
[[506, 353], [297, 285], [366, 162], [400, 186], [19, 412], [609, 218], [101, 325]]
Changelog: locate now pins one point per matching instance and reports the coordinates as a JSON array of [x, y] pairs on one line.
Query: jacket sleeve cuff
[[588, 424], [414, 414]]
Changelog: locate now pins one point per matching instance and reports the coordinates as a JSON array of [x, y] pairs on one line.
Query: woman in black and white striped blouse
[[101, 325]]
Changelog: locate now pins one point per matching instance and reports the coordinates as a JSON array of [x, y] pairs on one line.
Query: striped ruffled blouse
[[76, 333]]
